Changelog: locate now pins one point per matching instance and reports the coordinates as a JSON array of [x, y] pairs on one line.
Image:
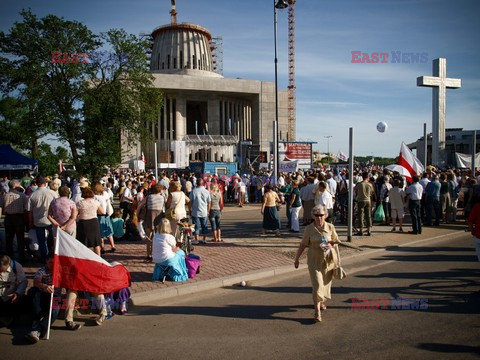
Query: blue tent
[[12, 160]]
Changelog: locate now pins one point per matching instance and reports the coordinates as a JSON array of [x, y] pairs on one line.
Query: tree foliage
[[86, 105], [120, 103]]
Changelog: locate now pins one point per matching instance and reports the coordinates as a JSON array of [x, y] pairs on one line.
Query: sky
[[333, 93]]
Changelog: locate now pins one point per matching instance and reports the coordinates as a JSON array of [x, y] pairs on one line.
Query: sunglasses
[[319, 215]]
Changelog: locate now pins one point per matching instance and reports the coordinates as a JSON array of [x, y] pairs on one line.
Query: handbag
[[338, 272], [192, 261], [170, 214]]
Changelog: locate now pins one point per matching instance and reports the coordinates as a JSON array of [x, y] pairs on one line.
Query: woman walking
[[321, 238], [271, 219]]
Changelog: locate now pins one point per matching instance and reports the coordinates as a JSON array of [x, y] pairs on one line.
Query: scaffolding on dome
[[216, 47]]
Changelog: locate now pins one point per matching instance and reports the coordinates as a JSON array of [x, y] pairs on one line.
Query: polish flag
[[409, 162], [143, 158], [61, 167], [76, 267], [342, 156]]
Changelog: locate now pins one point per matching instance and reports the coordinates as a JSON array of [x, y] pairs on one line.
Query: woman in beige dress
[[320, 237]]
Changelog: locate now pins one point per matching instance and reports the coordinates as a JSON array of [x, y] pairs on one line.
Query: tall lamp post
[[277, 4], [328, 148]]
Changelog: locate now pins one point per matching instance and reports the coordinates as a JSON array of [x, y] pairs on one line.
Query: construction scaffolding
[[216, 47], [292, 89]]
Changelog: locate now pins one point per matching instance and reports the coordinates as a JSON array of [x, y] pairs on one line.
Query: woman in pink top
[[88, 227], [63, 212]]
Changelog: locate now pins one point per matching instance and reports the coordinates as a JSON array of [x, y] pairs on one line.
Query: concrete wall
[[249, 103]]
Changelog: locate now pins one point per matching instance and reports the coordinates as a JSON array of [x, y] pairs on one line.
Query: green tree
[[48, 160], [121, 103], [52, 91], [87, 105]]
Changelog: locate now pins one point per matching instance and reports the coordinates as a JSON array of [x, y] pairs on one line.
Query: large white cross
[[439, 82]]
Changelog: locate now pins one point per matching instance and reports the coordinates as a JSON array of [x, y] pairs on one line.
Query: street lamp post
[[328, 148], [277, 4]]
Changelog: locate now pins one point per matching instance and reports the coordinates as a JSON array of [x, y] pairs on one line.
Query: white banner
[[180, 154], [139, 165], [288, 166], [465, 160], [15, 167]]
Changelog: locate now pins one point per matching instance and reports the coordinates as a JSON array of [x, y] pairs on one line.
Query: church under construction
[[206, 116]]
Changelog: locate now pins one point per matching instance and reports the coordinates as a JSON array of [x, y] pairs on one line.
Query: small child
[[117, 224]]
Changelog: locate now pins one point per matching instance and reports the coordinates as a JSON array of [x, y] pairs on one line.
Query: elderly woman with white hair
[[321, 238]]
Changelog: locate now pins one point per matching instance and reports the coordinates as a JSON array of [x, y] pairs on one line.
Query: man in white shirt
[[127, 200], [423, 205], [332, 184], [13, 284], [414, 193], [37, 208]]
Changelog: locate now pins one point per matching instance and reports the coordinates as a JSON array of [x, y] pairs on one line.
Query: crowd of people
[[150, 209]]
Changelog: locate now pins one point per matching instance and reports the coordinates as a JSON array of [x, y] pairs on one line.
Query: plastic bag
[[379, 215]]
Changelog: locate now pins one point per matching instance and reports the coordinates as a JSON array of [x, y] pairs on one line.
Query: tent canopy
[[12, 160]]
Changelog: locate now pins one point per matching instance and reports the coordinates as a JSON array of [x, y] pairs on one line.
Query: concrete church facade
[[206, 115]]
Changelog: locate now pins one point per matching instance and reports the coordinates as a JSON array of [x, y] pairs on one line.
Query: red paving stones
[[218, 260]]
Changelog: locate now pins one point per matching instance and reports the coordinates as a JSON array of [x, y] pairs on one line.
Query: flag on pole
[[143, 158], [409, 162], [61, 167], [342, 156], [76, 267]]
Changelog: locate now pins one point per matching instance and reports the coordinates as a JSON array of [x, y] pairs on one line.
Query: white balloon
[[382, 126]]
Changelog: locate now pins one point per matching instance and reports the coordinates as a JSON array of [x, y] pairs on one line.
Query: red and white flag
[[61, 167], [342, 156], [409, 162], [143, 158], [76, 267]]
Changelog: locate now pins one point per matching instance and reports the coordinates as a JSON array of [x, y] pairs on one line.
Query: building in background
[[457, 140], [207, 116]]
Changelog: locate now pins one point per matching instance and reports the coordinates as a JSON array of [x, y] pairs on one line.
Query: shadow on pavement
[[251, 312], [449, 348], [459, 297]]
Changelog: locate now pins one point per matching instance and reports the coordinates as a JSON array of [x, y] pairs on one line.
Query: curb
[[148, 297], [204, 285]]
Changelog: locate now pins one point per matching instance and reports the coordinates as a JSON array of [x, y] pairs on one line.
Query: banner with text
[[288, 166], [296, 151]]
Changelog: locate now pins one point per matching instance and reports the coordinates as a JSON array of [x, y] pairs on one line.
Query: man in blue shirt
[[432, 193], [200, 208]]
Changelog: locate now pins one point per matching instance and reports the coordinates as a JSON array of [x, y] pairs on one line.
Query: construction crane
[[173, 13], [292, 89]]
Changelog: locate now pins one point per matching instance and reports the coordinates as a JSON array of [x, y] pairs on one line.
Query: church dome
[[182, 49]]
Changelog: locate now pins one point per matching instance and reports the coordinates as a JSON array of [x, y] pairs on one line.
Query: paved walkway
[[250, 252]]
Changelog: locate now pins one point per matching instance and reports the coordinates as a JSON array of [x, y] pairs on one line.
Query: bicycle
[[184, 235]]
